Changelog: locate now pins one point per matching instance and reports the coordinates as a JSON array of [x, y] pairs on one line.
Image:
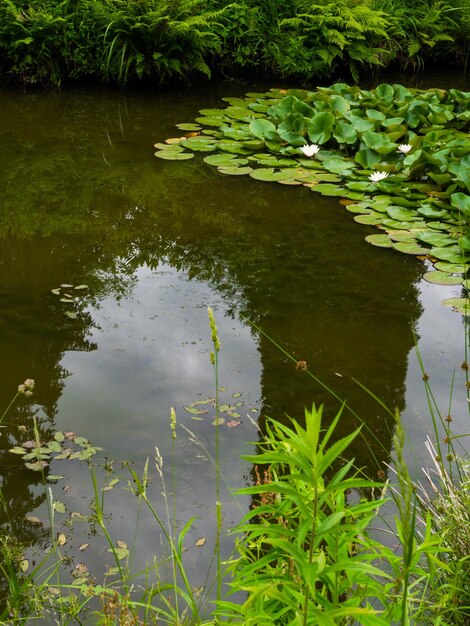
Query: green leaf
[[17, 450], [235, 171], [461, 305], [320, 127], [345, 133], [189, 127], [461, 201], [442, 278], [195, 411], [269, 174], [173, 155], [263, 129], [381, 241]]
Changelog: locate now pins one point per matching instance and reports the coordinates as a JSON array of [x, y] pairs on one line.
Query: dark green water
[[84, 201]]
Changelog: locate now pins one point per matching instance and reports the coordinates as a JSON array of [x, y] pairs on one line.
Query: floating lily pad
[[371, 219], [211, 121], [409, 248], [442, 278], [403, 236], [189, 127], [452, 254], [400, 214], [451, 268], [224, 160], [199, 144], [435, 239], [461, 305], [329, 190], [235, 171], [381, 241], [174, 155], [269, 174]]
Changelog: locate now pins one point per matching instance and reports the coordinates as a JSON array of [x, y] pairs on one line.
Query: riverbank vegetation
[[48, 42]]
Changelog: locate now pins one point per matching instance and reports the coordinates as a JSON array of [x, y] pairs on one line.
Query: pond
[[145, 246]]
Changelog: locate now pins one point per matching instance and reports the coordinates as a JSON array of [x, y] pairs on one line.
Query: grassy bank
[[48, 42]]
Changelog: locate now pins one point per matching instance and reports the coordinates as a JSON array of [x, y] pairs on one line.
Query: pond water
[[85, 202]]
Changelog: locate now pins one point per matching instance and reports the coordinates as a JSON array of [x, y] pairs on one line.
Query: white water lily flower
[[404, 148], [311, 150], [376, 176]]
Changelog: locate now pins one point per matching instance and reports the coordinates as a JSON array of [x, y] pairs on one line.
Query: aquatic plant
[[399, 158]]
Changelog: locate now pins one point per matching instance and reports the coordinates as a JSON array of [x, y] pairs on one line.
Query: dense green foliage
[[416, 192], [48, 41]]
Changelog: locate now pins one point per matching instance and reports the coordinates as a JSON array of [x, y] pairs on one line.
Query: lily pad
[[461, 305], [235, 171], [189, 127], [452, 254], [269, 174], [174, 155], [409, 248], [372, 219], [435, 239], [381, 241], [442, 278], [224, 160], [452, 268]]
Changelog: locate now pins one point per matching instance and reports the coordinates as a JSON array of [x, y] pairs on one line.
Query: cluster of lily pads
[[227, 413], [37, 455], [398, 158], [70, 294]]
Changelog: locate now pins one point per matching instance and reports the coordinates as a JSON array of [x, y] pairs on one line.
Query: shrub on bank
[[47, 42]]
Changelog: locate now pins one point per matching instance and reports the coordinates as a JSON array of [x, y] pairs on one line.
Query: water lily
[[404, 148], [376, 176], [311, 150]]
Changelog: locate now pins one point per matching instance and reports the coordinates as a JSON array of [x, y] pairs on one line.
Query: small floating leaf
[[409, 248], [37, 466], [83, 546], [461, 305], [71, 315], [200, 542], [452, 268], [173, 155], [381, 241], [18, 450], [233, 423], [24, 565], [218, 421], [195, 411], [442, 278], [61, 539], [235, 171], [56, 292], [189, 127], [67, 300], [81, 287]]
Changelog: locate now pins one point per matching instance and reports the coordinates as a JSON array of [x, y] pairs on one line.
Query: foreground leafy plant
[[304, 546]]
